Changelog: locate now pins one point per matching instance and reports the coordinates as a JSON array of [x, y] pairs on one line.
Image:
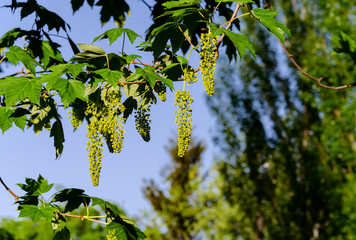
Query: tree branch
[[318, 80], [237, 8], [9, 190]]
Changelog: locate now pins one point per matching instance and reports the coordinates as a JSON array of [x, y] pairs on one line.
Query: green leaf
[[266, 17], [344, 44], [113, 209], [116, 9], [17, 54], [111, 76], [43, 187], [131, 57], [43, 114], [180, 3], [76, 4], [59, 70], [168, 31], [133, 90], [241, 43], [48, 52], [9, 38], [151, 77], [73, 45], [19, 117], [115, 33], [74, 198], [9, 116], [5, 121], [63, 234], [182, 60], [16, 89], [93, 49], [58, 134], [37, 213], [69, 90]]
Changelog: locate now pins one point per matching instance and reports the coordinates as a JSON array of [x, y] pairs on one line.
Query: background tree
[[175, 206], [290, 147]]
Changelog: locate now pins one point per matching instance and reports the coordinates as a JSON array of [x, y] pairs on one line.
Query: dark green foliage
[[289, 148], [175, 207], [33, 205]]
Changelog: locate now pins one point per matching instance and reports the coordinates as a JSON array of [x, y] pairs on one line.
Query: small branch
[[141, 63], [9, 190], [2, 59], [84, 217], [186, 37], [237, 8], [144, 2], [318, 80]]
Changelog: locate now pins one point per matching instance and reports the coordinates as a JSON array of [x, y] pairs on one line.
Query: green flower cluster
[[104, 124], [142, 120], [94, 145], [74, 119], [183, 119], [161, 91], [111, 235], [190, 76], [208, 57]]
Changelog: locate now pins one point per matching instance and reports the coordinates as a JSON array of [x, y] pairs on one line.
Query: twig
[[318, 80], [83, 217], [2, 58], [9, 190], [144, 2], [186, 37], [237, 8]]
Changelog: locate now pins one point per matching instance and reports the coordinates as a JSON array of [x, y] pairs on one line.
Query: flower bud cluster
[[183, 120], [190, 76], [94, 146], [104, 124], [208, 57], [111, 235], [161, 91], [142, 120], [74, 119]]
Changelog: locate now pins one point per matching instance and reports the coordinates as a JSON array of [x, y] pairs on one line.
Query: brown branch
[[186, 37], [318, 80], [2, 59], [141, 63], [237, 8], [9, 190]]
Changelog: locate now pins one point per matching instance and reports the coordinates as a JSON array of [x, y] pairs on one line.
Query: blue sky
[[24, 154]]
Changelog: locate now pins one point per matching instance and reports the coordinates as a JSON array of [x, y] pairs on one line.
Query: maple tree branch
[[237, 8], [318, 80], [9, 190]]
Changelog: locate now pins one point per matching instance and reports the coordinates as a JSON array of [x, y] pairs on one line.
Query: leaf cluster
[[34, 206]]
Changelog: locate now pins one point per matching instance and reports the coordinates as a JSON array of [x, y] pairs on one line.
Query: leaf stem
[[237, 8], [230, 21], [107, 61], [186, 37]]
